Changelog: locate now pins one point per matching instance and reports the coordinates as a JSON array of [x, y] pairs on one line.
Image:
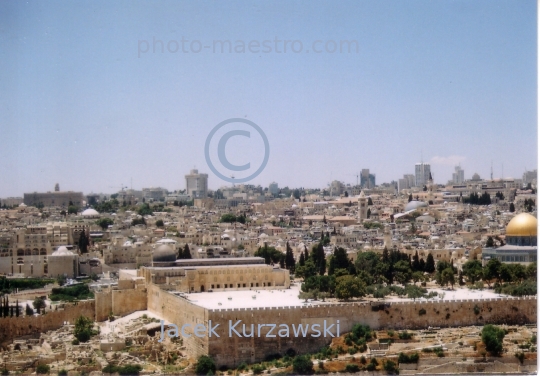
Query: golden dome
[[522, 224]]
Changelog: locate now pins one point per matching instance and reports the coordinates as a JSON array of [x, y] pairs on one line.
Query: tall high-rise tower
[[362, 207], [197, 184], [421, 173]]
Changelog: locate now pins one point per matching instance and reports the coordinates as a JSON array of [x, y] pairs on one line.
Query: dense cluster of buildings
[[188, 250]]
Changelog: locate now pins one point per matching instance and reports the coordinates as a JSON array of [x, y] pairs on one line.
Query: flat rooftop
[[289, 297], [244, 298], [220, 261]]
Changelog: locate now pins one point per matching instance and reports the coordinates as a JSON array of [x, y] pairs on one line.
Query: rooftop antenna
[[492, 170]]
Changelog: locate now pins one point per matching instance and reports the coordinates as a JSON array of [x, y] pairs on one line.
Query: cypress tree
[[17, 309], [6, 307], [416, 262], [187, 254], [430, 264], [83, 242], [302, 259]]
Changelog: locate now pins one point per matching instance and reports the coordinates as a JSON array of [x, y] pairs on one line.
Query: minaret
[[362, 207], [430, 187], [387, 238]]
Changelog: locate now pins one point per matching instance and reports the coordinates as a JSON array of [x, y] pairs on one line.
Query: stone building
[[56, 198]]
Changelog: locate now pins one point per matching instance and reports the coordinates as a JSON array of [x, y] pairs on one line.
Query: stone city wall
[[12, 327], [232, 350], [180, 311], [119, 302]]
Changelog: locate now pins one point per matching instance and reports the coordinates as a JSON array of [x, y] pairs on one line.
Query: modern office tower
[[530, 177], [273, 188], [458, 177], [421, 173], [197, 184], [367, 180]]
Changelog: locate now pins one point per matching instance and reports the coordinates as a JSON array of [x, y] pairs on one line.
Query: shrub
[[352, 368], [84, 329], [476, 310], [422, 311], [520, 356], [302, 365], [242, 366], [43, 369], [372, 365], [75, 342], [257, 369], [439, 351], [363, 359], [130, 369], [405, 335], [412, 358], [205, 365], [492, 337], [390, 367]]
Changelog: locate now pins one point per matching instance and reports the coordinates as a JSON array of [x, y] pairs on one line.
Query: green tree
[[490, 243], [159, 223], [205, 365], [302, 365], [472, 269], [72, 209], [348, 287], [186, 254], [83, 242], [447, 276], [104, 223], [29, 311], [402, 272], [493, 336], [39, 304], [512, 207], [492, 270], [430, 264], [302, 260], [410, 197], [84, 329]]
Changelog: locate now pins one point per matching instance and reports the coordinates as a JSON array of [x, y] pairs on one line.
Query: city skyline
[[446, 83]]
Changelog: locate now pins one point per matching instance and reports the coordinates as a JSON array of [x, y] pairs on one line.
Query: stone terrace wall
[[180, 311], [120, 302], [399, 315], [12, 327]]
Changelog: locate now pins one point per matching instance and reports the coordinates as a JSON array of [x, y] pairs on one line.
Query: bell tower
[[362, 207]]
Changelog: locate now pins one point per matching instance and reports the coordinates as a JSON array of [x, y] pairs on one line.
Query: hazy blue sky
[[81, 105]]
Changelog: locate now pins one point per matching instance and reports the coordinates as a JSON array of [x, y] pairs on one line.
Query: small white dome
[[90, 213], [62, 251]]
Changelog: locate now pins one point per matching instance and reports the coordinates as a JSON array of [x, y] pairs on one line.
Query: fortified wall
[[231, 350], [12, 327], [131, 296]]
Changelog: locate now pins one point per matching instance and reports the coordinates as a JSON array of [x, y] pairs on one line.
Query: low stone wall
[[12, 327]]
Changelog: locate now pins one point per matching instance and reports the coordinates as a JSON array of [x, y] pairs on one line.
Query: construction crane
[[357, 178]]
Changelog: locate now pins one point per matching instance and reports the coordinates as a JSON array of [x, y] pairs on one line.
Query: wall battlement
[[371, 304]]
